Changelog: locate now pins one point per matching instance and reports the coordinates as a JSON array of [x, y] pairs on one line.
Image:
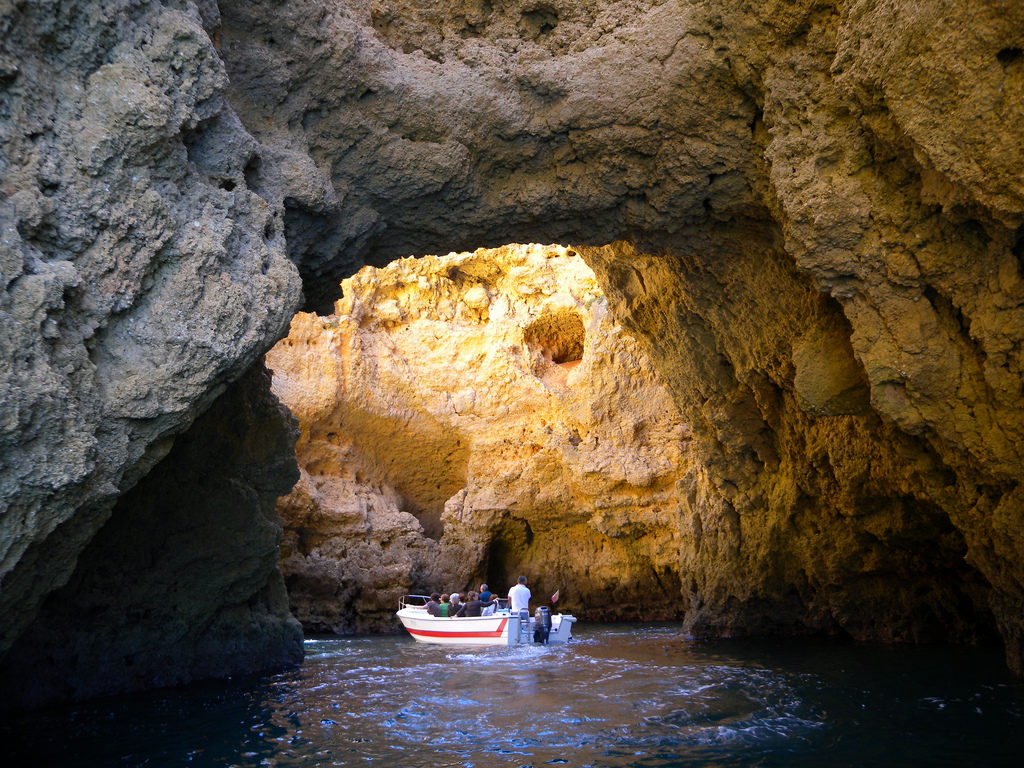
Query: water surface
[[620, 695]]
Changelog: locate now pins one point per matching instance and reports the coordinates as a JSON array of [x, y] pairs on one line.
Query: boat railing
[[410, 601]]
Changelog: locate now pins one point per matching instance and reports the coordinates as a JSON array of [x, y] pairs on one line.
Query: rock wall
[[808, 512], [181, 582], [808, 212], [402, 128], [825, 256], [910, 220], [468, 418], [139, 277]]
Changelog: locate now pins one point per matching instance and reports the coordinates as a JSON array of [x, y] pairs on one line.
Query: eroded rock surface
[[814, 210], [470, 417], [181, 582], [139, 275], [824, 254], [423, 128], [825, 213]]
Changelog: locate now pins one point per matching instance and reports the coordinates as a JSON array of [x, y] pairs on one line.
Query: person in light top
[[519, 595]]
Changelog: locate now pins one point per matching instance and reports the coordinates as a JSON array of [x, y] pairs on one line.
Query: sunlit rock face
[[472, 417], [808, 512]]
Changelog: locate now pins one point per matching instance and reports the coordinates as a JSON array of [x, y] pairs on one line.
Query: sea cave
[[764, 374]]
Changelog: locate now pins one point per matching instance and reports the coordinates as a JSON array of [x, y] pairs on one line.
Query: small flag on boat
[[554, 597]]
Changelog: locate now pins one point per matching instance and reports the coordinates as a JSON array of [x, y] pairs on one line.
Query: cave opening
[[459, 421], [487, 391]]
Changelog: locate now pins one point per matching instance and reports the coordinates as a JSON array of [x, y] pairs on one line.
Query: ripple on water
[[621, 696]]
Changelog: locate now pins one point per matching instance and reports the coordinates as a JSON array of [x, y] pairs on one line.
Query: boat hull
[[501, 629]]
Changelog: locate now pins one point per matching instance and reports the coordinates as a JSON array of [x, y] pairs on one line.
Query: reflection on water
[[617, 696]]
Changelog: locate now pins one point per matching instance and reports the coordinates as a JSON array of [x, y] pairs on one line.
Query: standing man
[[519, 596]]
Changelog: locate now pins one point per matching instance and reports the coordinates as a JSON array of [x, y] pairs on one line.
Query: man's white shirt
[[519, 597]]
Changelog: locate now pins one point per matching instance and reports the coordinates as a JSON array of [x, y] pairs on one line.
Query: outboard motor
[[524, 625], [542, 625]]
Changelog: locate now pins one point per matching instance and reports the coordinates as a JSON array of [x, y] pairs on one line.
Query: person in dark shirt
[[474, 606], [460, 608], [434, 607], [485, 594]]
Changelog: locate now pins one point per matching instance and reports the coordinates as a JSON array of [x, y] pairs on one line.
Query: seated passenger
[[445, 609], [458, 606], [476, 606], [485, 594], [433, 607]]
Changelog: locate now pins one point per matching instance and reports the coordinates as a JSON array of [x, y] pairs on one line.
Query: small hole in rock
[[1009, 55]]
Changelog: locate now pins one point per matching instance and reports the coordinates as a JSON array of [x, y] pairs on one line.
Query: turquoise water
[[619, 695]]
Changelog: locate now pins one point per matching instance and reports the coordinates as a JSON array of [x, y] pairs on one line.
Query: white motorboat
[[503, 627]]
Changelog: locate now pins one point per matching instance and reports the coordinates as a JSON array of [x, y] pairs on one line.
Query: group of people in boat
[[479, 603]]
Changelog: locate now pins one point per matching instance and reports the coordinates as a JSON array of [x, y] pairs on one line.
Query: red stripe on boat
[[441, 633]]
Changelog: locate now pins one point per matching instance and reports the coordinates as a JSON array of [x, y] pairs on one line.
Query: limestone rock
[[469, 417], [796, 208], [824, 263], [797, 517], [459, 125], [138, 274], [827, 378], [180, 583]]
